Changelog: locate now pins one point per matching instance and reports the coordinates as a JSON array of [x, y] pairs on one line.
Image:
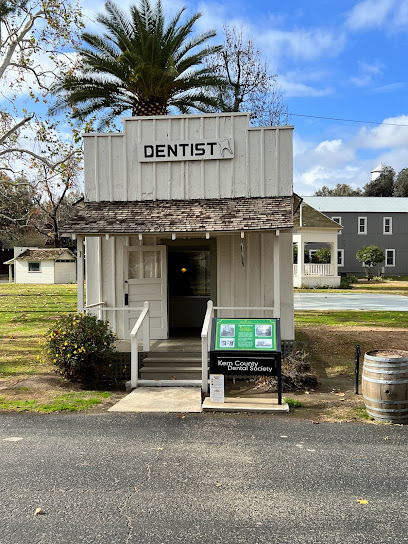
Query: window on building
[[390, 257], [337, 218], [387, 225], [34, 267], [340, 257], [362, 225]]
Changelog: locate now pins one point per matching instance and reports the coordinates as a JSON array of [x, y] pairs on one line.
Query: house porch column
[[80, 273]]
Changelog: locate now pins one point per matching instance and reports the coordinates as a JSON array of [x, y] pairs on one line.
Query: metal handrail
[[143, 319]]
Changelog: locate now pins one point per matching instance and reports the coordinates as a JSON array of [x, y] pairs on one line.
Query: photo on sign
[[227, 330], [263, 342], [227, 342], [263, 330]]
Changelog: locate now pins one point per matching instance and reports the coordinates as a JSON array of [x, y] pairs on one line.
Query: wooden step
[[171, 365], [163, 361], [185, 374]]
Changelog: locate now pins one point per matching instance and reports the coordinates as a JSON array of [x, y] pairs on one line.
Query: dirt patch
[[331, 353]]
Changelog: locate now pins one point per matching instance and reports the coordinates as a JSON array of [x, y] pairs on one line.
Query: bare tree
[[37, 38], [247, 83]]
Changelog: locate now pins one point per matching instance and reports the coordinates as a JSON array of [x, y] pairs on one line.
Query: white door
[[146, 279]]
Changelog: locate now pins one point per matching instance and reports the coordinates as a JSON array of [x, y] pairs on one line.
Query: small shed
[[57, 265]]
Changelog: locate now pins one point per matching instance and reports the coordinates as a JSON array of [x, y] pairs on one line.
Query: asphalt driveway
[[350, 301], [230, 479]]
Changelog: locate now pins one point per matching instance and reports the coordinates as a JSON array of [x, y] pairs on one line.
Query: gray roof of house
[[311, 218], [363, 204], [209, 215], [41, 255]]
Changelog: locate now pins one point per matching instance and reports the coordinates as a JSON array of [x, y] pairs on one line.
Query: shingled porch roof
[[177, 216]]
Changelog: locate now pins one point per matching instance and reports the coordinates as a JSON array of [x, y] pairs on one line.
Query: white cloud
[[349, 160], [368, 14], [386, 136], [367, 74], [297, 89], [303, 44], [391, 87]]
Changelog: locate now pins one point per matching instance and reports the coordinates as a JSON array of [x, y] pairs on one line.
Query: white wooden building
[[36, 265], [192, 214], [314, 229]]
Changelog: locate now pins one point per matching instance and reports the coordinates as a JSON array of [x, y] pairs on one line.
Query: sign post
[[246, 347]]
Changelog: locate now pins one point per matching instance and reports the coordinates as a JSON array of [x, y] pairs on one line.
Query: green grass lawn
[[352, 318], [397, 285], [26, 311]]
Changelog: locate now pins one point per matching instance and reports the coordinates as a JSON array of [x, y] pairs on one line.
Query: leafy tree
[[322, 255], [341, 189], [383, 185], [401, 184], [139, 64], [246, 84], [370, 256]]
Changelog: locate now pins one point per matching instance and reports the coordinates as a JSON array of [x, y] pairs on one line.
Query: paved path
[[205, 478], [350, 301]]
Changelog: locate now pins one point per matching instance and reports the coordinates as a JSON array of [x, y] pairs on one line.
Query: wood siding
[[46, 274], [251, 285], [262, 163]]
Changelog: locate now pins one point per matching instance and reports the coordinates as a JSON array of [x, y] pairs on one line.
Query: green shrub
[[379, 279], [293, 403], [345, 283], [81, 347]]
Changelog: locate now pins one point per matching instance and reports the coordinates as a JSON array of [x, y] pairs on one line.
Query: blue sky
[[342, 59], [335, 59]]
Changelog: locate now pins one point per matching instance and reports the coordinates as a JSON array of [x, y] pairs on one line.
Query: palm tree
[[139, 64]]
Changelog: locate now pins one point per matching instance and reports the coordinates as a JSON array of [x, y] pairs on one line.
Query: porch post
[[80, 273], [334, 260], [300, 259], [276, 275], [10, 273]]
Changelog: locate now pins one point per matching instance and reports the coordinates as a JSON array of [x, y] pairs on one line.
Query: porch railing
[[206, 333], [315, 269], [143, 322]]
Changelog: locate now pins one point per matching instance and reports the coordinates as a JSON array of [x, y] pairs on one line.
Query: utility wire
[[348, 120]]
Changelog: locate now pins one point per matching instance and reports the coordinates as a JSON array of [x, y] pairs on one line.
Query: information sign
[[247, 335], [246, 347]]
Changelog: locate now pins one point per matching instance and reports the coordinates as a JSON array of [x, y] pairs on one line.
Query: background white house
[[34, 265]]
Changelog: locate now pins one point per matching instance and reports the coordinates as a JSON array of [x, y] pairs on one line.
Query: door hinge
[[126, 299]]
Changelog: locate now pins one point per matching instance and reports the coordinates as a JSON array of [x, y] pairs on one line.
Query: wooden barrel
[[385, 385]]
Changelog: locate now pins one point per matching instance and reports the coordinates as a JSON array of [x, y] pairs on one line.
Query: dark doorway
[[190, 284]]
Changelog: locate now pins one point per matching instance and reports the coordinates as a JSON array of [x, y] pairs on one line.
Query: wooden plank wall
[[251, 285], [262, 163]]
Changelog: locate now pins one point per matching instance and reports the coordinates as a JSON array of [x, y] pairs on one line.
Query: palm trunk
[[145, 108]]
